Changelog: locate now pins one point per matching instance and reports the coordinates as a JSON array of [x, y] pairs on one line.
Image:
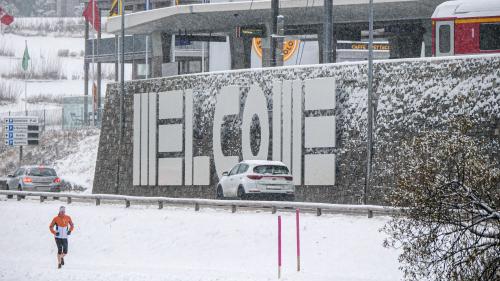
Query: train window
[[489, 36], [444, 39]]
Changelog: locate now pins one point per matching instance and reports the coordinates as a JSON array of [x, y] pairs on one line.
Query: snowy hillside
[[72, 153], [56, 47], [140, 243]]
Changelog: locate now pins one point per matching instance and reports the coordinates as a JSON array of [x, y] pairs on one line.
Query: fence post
[[279, 247], [196, 207], [233, 208], [62, 117], [318, 212], [42, 199], [97, 201], [160, 205], [127, 203], [69, 200], [273, 209], [370, 214]]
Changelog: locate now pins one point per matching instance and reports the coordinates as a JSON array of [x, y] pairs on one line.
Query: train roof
[[467, 9]]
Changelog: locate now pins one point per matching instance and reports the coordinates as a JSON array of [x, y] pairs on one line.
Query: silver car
[[34, 178]]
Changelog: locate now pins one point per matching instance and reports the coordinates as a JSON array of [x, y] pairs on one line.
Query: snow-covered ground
[[61, 50], [144, 243], [73, 154], [79, 166]]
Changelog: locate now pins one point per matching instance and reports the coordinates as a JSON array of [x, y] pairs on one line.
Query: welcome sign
[[191, 136]]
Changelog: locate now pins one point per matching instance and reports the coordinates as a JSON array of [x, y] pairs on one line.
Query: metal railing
[[274, 206]]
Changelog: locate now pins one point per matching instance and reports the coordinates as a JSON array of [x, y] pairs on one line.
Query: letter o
[[255, 104]]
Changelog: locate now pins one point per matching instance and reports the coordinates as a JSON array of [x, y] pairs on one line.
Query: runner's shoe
[[59, 266], [62, 261]]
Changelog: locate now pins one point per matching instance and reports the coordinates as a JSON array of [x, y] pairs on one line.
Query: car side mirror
[[225, 173]]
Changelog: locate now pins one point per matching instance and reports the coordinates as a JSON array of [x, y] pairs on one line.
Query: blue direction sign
[[22, 130]]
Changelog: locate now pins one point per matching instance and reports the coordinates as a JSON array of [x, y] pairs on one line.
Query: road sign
[[16, 142], [21, 130], [27, 120], [16, 135], [17, 128]]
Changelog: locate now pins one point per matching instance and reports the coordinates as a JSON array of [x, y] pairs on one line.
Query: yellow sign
[[289, 47], [379, 47]]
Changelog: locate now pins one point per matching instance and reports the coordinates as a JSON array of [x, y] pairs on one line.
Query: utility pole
[[370, 105], [279, 39], [328, 31], [274, 22], [122, 93]]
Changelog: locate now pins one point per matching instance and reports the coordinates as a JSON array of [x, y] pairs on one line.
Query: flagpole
[[25, 85], [25, 97]]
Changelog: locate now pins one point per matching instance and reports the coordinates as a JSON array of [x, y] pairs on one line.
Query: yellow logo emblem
[[289, 47]]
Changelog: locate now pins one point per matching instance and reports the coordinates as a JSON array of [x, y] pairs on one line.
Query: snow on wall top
[[411, 97], [467, 9]]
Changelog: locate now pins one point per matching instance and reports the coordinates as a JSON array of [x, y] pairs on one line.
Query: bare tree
[[449, 229]]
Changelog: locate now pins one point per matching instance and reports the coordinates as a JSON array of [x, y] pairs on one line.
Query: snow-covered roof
[[467, 9], [222, 17]]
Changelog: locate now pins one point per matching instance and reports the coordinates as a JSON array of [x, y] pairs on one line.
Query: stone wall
[[411, 96]]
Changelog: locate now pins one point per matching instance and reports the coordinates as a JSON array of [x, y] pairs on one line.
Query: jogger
[[63, 228]]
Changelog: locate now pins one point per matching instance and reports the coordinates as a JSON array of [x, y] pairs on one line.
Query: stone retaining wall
[[411, 96]]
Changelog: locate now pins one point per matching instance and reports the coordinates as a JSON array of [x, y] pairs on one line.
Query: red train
[[466, 27]]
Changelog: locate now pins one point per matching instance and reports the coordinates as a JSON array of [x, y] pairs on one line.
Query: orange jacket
[[61, 221]]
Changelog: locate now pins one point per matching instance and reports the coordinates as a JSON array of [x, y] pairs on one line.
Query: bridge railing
[[274, 206]]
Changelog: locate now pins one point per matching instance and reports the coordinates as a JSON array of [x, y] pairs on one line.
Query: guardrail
[[369, 210]]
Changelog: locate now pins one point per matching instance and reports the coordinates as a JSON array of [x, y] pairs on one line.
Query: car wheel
[[9, 196], [21, 189], [219, 193], [241, 193]]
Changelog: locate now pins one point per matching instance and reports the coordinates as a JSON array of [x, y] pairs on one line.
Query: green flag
[[26, 58]]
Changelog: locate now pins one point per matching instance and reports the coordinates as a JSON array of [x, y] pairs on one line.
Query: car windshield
[[42, 172], [271, 169]]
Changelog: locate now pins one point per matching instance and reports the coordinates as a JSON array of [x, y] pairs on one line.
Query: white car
[[256, 177]]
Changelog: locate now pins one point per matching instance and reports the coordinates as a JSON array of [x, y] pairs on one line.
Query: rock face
[[410, 97]]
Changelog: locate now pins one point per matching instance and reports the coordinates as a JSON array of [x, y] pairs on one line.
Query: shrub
[[9, 92], [44, 98], [6, 50], [63, 53], [44, 68]]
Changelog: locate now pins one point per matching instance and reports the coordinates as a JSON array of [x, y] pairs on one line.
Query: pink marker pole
[[297, 223], [279, 247]]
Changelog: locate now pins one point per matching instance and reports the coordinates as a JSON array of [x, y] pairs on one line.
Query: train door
[[445, 38]]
